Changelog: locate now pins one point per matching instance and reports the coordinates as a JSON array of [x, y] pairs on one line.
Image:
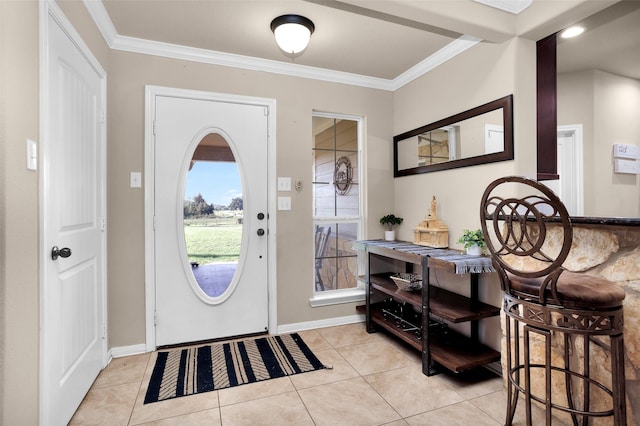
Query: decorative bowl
[[407, 282]]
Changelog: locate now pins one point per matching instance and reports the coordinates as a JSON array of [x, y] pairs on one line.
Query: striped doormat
[[183, 372]]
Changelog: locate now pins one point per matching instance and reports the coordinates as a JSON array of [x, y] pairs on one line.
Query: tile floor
[[375, 380]]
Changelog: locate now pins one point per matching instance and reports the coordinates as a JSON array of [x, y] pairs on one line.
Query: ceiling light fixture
[[292, 33], [572, 32]]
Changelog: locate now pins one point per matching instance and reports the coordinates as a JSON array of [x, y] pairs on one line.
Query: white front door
[[73, 186], [184, 313]]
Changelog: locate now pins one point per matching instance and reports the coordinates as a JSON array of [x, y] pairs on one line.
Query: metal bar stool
[[562, 308]]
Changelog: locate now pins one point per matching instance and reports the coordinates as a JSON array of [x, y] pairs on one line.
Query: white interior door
[[184, 313], [73, 324], [569, 186]]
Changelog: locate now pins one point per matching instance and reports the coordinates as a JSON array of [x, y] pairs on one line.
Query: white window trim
[[335, 297]]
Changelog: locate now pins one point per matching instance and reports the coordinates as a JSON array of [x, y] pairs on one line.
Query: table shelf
[[432, 308]]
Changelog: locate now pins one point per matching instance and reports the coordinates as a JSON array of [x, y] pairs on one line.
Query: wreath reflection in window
[[343, 176]]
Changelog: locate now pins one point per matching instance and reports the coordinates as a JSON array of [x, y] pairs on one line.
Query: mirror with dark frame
[[592, 81], [477, 136]]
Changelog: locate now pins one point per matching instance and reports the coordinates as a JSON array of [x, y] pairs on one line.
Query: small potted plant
[[473, 241], [390, 221]]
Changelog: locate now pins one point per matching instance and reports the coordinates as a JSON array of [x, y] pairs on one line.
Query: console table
[[420, 318]]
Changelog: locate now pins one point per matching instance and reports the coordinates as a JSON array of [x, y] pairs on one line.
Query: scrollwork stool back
[[529, 235]]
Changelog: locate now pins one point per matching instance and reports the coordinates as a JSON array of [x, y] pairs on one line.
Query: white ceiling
[[611, 42], [375, 43]]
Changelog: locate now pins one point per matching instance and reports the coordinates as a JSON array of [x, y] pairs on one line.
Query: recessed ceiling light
[[572, 32]]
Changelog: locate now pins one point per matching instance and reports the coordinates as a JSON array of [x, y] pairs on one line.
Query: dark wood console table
[[420, 318]]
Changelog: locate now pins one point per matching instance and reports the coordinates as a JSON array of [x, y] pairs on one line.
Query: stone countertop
[[609, 221]]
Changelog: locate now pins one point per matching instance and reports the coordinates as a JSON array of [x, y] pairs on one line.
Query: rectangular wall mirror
[[480, 135]]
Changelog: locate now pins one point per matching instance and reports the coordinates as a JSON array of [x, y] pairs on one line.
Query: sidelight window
[[337, 217]]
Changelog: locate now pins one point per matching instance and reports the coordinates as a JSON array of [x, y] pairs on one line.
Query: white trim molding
[[440, 57], [329, 322], [120, 351], [336, 297]]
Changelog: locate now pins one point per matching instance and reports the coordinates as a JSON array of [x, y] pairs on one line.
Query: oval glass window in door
[[213, 215]]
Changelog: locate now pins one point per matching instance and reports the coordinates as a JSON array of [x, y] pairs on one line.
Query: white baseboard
[[121, 351], [141, 348], [329, 322]]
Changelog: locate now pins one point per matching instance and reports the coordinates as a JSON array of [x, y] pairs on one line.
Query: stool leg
[[618, 381], [568, 384], [527, 375], [547, 372], [586, 392], [512, 392]]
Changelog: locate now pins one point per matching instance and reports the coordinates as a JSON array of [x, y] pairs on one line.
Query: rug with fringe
[[182, 372]]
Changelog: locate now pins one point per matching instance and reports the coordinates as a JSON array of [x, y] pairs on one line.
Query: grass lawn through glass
[[215, 239]]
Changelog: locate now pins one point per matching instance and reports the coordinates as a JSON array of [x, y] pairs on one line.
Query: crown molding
[[102, 19], [451, 50], [148, 47], [511, 6], [186, 53]]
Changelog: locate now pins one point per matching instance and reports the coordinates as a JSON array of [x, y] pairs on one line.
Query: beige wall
[[480, 75], [608, 107], [19, 217], [19, 298]]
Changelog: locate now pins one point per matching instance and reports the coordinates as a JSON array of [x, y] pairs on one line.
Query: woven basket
[[407, 282]]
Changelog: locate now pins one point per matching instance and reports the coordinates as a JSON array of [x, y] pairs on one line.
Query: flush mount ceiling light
[[292, 33], [572, 32]]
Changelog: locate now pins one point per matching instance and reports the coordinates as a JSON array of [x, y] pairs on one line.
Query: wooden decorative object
[[432, 232]]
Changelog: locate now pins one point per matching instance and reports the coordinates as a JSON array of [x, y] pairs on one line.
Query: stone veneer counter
[[609, 248]]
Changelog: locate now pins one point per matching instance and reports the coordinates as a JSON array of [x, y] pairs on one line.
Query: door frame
[[49, 8], [151, 92], [576, 151]]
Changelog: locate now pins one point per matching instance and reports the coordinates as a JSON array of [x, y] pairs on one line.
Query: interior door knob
[[63, 252], [261, 232]]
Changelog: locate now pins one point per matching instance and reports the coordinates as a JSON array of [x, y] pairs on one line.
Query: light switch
[[284, 184], [284, 203], [136, 180], [32, 155]]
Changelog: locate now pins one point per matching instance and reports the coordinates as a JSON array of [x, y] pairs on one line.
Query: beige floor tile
[[200, 418], [107, 406], [410, 392], [400, 422], [349, 402], [144, 413], [314, 340], [280, 410], [474, 383], [123, 370], [256, 390], [375, 357], [495, 405], [460, 414], [339, 370], [346, 335]]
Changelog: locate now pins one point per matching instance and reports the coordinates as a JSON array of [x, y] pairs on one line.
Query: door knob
[[63, 252], [261, 232]]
